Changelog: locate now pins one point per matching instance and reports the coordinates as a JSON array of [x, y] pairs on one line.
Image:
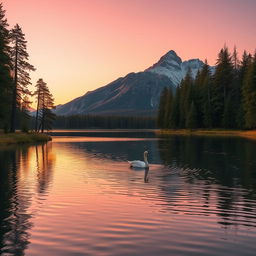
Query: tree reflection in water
[[16, 192], [45, 160], [224, 167]]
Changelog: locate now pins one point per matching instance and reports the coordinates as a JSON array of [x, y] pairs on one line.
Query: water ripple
[[81, 198]]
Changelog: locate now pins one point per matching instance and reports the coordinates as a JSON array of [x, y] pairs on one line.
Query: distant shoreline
[[26, 138], [23, 138], [201, 132]]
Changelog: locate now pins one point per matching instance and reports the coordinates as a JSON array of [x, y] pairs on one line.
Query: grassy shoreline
[[201, 132], [21, 138]]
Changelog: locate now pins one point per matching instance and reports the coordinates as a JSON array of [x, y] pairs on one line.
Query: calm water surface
[[77, 196]]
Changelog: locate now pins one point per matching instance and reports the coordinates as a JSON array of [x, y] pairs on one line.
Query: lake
[[77, 195]]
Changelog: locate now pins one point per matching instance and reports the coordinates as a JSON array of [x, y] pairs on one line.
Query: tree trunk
[[42, 123], [37, 109], [14, 96]]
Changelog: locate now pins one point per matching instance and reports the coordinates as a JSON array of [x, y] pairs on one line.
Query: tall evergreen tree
[[175, 110], [198, 96], [45, 105], [24, 114], [40, 87], [21, 69], [202, 96], [207, 89], [5, 70], [168, 109], [223, 79], [233, 101], [162, 109], [235, 59], [249, 95], [185, 98], [191, 121], [229, 113], [236, 94], [245, 63]]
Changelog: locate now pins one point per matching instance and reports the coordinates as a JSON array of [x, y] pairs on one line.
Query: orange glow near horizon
[[81, 45]]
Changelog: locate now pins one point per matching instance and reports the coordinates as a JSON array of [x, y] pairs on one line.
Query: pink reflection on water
[[96, 139]]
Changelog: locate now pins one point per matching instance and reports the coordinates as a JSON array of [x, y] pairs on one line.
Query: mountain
[[172, 66], [136, 93]]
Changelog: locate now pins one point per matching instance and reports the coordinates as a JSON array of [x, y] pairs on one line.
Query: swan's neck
[[146, 160]]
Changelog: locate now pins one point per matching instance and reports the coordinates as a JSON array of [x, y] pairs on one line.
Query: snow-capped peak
[[171, 56], [172, 66]]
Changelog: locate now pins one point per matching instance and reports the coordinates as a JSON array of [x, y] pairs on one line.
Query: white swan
[[140, 164]]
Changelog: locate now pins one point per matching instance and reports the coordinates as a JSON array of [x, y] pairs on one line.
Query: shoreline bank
[[232, 133], [22, 138]]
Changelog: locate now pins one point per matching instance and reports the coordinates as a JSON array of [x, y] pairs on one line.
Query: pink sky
[[81, 45]]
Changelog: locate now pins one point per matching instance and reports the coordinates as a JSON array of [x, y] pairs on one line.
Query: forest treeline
[[223, 98], [15, 95], [105, 122]]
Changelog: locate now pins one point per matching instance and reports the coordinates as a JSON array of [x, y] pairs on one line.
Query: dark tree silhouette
[[224, 99], [5, 71], [45, 104], [21, 69]]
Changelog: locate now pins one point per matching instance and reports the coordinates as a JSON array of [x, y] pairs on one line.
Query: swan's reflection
[[146, 174]]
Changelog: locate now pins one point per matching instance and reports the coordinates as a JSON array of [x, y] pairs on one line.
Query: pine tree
[[191, 121], [235, 59], [223, 79], [236, 115], [245, 63], [162, 109], [47, 120], [185, 98], [198, 95], [229, 113], [24, 114], [168, 109], [202, 96], [249, 95], [45, 105], [40, 85], [175, 110], [5, 71], [235, 104], [21, 69], [206, 101]]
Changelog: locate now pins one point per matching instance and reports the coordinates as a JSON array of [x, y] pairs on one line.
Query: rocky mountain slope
[[136, 93]]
